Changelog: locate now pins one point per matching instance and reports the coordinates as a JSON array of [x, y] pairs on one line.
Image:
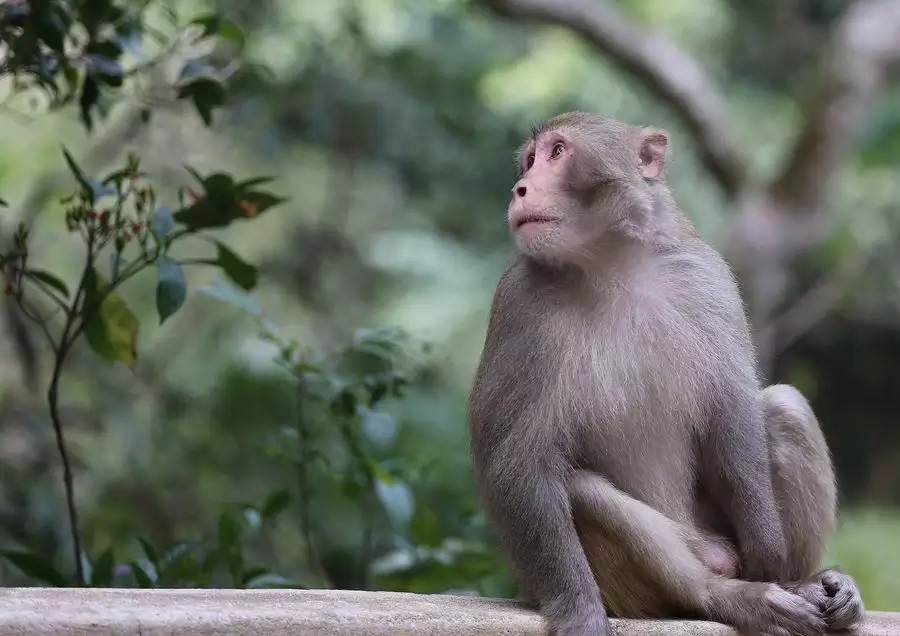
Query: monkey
[[624, 448]]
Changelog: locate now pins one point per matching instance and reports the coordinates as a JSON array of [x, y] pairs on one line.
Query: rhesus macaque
[[624, 448]]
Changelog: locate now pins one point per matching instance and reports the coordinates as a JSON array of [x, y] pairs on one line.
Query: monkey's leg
[[645, 565], [804, 483]]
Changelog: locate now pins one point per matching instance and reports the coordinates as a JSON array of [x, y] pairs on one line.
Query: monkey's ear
[[652, 153]]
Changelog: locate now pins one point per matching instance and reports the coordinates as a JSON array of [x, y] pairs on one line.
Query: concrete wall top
[[62, 611]]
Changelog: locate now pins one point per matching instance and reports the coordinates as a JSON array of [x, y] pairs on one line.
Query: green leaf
[[253, 518], [101, 60], [179, 564], [87, 189], [378, 427], [219, 185], [90, 94], [142, 578], [101, 189], [425, 528], [240, 272], [102, 575], [162, 222], [230, 545], [35, 567], [110, 326], [262, 200], [206, 93], [397, 499], [230, 31], [229, 532], [210, 562], [251, 574], [149, 552], [224, 201], [87, 567], [49, 279], [272, 581], [214, 24], [171, 288], [3, 203], [209, 22], [276, 503]]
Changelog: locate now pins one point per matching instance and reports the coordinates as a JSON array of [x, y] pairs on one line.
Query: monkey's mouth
[[535, 219]]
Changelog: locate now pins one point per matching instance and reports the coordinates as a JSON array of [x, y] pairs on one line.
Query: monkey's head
[[583, 178]]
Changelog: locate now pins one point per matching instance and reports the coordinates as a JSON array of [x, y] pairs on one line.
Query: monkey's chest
[[636, 412]]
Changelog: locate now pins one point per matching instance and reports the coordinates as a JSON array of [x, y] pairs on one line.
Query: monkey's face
[[541, 212], [577, 183]]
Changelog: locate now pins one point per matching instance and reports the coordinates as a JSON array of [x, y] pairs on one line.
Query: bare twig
[[662, 66], [813, 306]]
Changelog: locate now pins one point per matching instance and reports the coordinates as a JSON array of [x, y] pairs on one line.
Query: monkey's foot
[[766, 608], [789, 614], [837, 595]]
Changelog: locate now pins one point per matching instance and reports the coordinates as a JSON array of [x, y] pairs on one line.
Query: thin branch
[[810, 308], [821, 298], [859, 59], [60, 302], [41, 322], [663, 67]]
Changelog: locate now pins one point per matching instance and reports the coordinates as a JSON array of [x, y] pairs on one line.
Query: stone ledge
[[313, 612]]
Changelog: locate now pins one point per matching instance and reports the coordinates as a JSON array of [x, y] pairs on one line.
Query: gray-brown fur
[[624, 449]]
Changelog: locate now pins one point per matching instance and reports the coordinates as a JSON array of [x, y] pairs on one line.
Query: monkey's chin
[[535, 232], [540, 240]]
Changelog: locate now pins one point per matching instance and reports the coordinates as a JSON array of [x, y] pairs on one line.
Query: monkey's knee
[[640, 558], [786, 406]]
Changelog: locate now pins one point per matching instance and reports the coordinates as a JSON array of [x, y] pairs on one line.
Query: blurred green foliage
[[331, 451]]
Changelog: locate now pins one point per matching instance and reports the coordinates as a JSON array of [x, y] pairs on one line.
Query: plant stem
[[69, 335], [53, 400], [359, 456], [367, 538], [304, 489]]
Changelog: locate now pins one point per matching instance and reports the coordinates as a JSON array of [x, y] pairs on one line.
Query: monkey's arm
[[529, 506], [740, 480]]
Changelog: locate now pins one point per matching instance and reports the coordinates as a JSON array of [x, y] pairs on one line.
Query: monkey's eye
[[529, 161], [557, 150]]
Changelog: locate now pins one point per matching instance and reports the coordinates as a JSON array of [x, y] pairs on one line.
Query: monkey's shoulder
[[696, 276]]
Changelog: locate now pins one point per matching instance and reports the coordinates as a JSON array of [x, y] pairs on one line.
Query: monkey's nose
[[519, 189]]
